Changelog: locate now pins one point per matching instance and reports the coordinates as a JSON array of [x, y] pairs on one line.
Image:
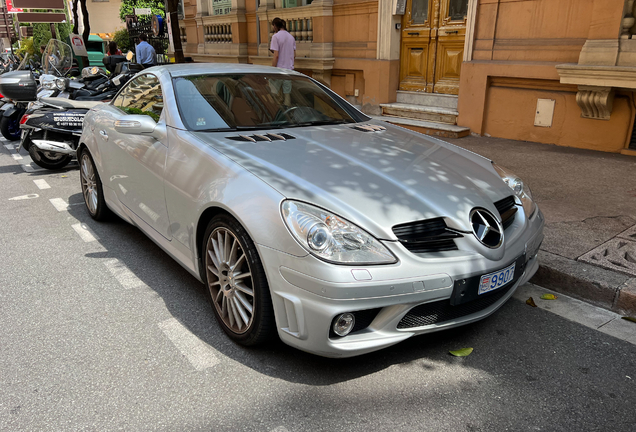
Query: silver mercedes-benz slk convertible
[[303, 217]]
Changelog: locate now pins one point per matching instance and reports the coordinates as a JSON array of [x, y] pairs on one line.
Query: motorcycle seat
[[69, 103]]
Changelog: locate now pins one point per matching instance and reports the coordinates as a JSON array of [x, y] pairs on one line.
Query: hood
[[374, 179]]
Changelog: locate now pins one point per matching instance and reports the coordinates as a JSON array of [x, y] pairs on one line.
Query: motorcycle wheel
[[48, 160], [10, 128]]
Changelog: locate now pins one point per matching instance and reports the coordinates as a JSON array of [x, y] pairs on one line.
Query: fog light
[[343, 324]]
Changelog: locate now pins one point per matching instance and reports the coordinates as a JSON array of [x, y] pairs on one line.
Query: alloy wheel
[[230, 280], [89, 183]]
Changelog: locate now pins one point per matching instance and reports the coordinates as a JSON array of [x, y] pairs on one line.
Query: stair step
[[420, 112], [427, 99], [427, 127]]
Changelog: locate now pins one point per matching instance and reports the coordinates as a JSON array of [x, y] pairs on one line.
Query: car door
[[136, 163]]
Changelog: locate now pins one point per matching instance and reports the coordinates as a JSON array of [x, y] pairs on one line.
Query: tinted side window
[[141, 96]]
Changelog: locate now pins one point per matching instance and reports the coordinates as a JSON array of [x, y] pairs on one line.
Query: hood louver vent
[[262, 137], [507, 209], [369, 128], [431, 235]]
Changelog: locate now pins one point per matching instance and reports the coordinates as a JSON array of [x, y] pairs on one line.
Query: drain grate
[[617, 254]]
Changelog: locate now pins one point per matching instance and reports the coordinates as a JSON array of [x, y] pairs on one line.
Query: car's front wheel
[[236, 283]]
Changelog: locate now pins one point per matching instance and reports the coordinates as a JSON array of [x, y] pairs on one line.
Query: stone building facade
[[552, 71]]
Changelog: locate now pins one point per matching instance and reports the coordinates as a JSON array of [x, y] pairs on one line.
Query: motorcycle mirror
[[129, 56]]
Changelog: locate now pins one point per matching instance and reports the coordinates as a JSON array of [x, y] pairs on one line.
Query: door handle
[[104, 134], [414, 33], [452, 32]]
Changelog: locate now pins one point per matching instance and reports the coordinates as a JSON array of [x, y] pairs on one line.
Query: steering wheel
[[289, 110]]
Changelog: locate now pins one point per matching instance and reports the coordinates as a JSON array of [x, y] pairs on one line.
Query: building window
[[222, 7], [294, 3]]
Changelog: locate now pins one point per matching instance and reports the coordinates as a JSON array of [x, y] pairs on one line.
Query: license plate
[[495, 280]]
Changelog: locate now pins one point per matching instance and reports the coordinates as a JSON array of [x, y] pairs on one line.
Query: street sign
[[77, 43], [39, 4], [41, 17], [143, 11], [11, 8]]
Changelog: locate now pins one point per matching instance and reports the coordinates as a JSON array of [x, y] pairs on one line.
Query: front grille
[[442, 311], [364, 319], [431, 235], [507, 209]]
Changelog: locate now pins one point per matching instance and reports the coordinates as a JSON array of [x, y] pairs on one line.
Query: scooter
[[52, 126]]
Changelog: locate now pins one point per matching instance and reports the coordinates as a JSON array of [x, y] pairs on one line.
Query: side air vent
[[431, 235], [369, 128], [507, 209], [262, 137]]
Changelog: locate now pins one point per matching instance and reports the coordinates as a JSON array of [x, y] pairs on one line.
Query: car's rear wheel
[[92, 188], [236, 283]]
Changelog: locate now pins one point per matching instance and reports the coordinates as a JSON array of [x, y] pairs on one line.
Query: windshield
[[57, 58], [255, 101]]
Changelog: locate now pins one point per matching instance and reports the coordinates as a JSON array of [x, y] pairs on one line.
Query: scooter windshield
[[57, 58]]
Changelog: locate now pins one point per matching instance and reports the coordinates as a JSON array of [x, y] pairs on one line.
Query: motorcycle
[[20, 88], [51, 127]]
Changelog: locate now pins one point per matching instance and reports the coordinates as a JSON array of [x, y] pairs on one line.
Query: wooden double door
[[432, 51]]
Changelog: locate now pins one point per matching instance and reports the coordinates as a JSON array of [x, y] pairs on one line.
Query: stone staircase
[[429, 113]]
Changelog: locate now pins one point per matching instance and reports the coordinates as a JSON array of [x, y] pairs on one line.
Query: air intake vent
[[369, 128], [262, 137], [431, 235], [507, 209]]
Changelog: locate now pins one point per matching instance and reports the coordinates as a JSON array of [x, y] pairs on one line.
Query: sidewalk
[[589, 202]]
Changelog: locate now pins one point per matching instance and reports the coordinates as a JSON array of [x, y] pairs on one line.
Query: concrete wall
[[104, 16], [517, 45]]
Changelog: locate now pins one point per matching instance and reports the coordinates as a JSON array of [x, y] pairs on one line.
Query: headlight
[[49, 85], [521, 190], [59, 83], [333, 238]]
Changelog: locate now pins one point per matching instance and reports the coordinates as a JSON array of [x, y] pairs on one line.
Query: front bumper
[[308, 293]]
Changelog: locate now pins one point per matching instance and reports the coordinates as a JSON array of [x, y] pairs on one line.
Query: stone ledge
[[626, 301], [597, 76]]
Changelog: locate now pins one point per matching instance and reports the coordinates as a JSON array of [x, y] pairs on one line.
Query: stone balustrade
[[218, 33], [300, 28]]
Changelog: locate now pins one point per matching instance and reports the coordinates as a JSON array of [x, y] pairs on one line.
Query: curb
[[598, 286]]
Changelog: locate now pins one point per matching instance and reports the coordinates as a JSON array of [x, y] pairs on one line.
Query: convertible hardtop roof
[[184, 69]]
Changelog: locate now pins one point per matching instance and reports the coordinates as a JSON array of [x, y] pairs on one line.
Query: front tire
[[236, 284], [49, 160], [92, 188], [10, 128]]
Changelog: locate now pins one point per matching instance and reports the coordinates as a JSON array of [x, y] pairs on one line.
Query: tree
[[127, 7], [122, 38], [173, 6]]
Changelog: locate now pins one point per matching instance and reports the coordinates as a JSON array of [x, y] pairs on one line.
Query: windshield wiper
[[320, 123]]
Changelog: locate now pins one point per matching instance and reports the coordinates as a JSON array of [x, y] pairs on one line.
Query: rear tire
[[236, 284], [92, 188], [10, 128], [49, 160]]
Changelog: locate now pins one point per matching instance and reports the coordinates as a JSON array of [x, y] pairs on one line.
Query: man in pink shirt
[[284, 48]]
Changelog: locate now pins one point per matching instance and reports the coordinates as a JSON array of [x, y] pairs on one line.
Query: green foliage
[[27, 47], [123, 40], [42, 33], [154, 116], [128, 7]]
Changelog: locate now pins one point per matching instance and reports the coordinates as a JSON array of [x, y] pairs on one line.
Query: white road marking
[[84, 232], [59, 204], [16, 156], [580, 312], [24, 197], [124, 276], [200, 354], [9, 147], [42, 184]]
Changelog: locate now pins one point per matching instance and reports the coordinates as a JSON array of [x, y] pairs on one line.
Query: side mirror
[[135, 125]]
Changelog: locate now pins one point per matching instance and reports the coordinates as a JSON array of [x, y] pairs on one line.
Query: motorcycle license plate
[[495, 280]]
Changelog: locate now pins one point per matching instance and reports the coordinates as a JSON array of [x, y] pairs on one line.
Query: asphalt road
[[100, 330]]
